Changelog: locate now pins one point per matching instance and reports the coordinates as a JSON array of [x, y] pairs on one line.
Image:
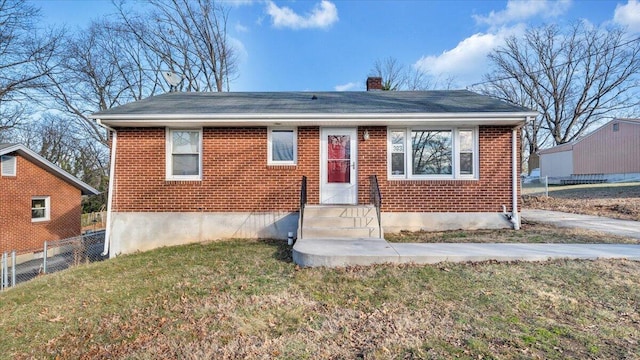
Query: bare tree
[[396, 76], [573, 77], [60, 139], [99, 68], [393, 73], [190, 37], [22, 55]]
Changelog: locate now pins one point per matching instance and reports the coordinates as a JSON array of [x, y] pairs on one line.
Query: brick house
[[200, 166], [39, 201]]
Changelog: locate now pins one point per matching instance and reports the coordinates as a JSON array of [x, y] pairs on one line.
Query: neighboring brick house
[[201, 166], [38, 200]]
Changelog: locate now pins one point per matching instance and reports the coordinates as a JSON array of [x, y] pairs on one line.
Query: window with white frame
[[8, 165], [184, 154], [433, 153], [40, 208], [282, 146]]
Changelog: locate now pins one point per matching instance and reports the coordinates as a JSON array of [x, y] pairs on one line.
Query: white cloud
[[239, 49], [238, 3], [241, 28], [322, 16], [466, 62], [347, 87], [521, 10], [628, 15]]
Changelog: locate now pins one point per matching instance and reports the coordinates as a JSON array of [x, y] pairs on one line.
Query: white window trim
[[47, 208], [270, 160], [168, 156], [8, 171], [455, 146], [476, 153]]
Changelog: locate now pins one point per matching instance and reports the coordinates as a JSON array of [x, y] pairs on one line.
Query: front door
[[339, 171]]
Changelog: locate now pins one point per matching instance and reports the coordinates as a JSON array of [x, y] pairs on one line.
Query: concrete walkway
[[347, 252]]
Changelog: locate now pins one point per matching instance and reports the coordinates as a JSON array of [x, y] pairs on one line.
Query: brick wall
[[487, 194], [236, 177], [17, 231]]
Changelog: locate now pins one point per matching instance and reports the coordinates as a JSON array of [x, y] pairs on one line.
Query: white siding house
[[611, 152]]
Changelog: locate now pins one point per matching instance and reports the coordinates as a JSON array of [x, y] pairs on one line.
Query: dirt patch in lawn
[[617, 201], [530, 232]]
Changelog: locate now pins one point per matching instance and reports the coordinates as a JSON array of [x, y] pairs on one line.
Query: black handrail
[[375, 198], [303, 200]]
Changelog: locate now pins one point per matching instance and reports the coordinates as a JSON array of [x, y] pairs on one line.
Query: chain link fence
[[17, 267], [535, 186]]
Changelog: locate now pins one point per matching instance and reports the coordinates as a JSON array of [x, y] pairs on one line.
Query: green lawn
[[245, 299]]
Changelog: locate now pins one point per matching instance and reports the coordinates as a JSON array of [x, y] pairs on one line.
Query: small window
[[466, 152], [8, 164], [184, 160], [40, 208], [282, 146], [616, 126], [397, 152]]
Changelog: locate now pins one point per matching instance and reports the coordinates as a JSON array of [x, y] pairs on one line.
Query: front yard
[[245, 299]]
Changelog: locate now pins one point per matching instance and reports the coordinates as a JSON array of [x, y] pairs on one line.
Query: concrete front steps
[[340, 222]]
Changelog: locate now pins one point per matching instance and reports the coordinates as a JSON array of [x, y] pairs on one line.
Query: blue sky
[[325, 45]]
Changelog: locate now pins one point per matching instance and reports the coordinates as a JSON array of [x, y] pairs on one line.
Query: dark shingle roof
[[372, 102]]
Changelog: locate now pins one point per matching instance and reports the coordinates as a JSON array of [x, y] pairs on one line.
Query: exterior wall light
[[365, 136]]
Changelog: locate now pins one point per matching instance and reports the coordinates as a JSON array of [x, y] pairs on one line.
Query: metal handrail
[[303, 200], [375, 198]]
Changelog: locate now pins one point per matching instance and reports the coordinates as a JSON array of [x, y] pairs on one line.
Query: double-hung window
[[184, 154], [282, 146], [40, 208], [8, 165], [433, 153]]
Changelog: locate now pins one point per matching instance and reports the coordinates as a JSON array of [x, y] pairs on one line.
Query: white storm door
[[338, 169]]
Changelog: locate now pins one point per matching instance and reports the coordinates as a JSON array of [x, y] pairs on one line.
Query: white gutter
[[112, 169], [314, 119], [514, 218], [107, 118]]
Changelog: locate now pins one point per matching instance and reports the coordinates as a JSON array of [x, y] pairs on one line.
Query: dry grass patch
[[618, 201], [245, 299], [530, 232]]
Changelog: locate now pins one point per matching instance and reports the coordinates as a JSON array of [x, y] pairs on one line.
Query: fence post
[[44, 259], [13, 268], [546, 186], [5, 275]]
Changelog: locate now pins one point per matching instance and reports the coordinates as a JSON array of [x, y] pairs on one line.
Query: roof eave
[[85, 188], [369, 119]]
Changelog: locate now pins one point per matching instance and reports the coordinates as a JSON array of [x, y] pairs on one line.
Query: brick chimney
[[374, 83]]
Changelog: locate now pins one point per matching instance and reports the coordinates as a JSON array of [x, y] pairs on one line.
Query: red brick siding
[[236, 177], [487, 194], [17, 231]]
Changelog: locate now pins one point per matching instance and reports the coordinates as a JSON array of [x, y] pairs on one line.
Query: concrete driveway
[[625, 228]]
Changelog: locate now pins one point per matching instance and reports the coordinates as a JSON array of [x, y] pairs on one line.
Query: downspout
[[112, 169], [514, 218]]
